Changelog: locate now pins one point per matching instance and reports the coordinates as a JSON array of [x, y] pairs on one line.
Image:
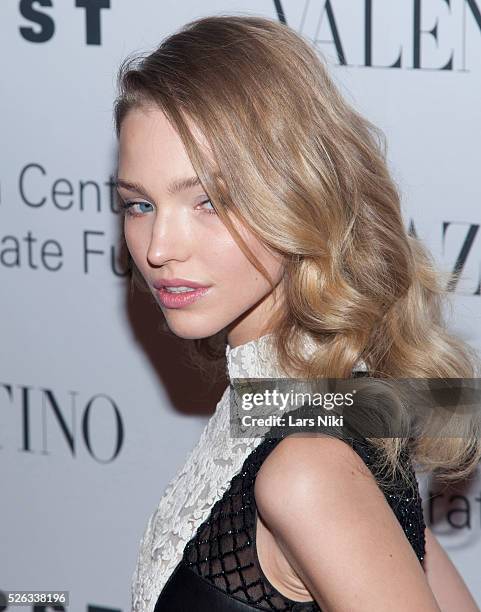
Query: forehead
[[148, 143], [147, 132]]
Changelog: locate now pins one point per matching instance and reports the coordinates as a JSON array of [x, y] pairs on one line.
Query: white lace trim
[[205, 476]]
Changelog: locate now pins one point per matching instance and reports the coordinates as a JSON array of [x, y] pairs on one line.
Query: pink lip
[[177, 282], [179, 300]]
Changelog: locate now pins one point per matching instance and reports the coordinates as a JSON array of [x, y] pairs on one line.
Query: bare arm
[[446, 583], [337, 530]]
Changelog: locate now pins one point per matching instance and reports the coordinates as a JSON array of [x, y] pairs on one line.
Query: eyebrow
[[174, 187]]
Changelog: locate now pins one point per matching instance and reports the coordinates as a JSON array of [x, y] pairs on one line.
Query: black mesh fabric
[[223, 550]]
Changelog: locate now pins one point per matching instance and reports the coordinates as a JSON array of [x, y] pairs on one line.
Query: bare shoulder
[[307, 467], [332, 521]]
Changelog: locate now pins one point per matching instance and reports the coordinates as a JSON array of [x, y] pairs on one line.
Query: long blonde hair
[[308, 176]]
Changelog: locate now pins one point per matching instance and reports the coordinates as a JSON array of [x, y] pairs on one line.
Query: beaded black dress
[[218, 568]]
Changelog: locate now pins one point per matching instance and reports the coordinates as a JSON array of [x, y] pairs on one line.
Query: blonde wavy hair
[[307, 174]]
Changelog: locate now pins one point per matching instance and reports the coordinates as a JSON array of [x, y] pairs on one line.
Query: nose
[[170, 239]]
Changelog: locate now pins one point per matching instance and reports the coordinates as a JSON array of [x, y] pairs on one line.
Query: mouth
[[180, 296]]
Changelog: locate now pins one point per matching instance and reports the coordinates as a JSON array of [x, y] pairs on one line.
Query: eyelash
[[126, 207]]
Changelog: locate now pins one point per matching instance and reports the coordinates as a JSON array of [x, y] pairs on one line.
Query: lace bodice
[[202, 481]]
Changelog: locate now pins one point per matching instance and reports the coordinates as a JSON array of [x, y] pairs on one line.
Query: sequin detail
[[223, 550]]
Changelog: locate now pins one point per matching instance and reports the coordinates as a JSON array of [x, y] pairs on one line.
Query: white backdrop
[[94, 419]]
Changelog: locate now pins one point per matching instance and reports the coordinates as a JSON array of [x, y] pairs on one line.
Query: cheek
[[137, 236], [225, 257], [229, 265]]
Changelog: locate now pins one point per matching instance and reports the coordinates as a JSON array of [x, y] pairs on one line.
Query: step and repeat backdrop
[[95, 417]]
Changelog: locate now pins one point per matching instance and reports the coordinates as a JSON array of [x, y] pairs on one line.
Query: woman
[[260, 213]]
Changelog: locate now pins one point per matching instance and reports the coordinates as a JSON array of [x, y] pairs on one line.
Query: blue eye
[[127, 208], [211, 210]]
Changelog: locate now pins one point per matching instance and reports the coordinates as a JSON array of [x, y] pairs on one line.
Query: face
[[175, 233]]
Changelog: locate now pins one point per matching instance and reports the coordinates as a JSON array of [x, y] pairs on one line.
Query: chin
[[189, 329]]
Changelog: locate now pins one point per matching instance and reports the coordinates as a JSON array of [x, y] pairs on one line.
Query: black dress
[[220, 570]]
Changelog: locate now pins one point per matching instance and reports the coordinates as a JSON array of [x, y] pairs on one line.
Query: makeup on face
[[196, 271]]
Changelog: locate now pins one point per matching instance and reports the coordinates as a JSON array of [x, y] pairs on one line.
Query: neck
[[256, 358], [252, 359], [235, 341]]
